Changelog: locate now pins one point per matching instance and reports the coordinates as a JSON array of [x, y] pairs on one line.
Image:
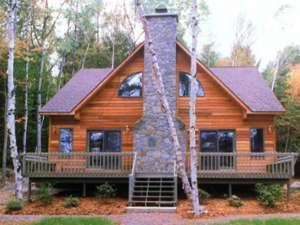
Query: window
[[104, 141], [65, 140], [257, 139], [217, 141], [185, 85], [131, 86]]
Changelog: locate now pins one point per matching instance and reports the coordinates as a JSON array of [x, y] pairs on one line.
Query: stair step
[[141, 191]]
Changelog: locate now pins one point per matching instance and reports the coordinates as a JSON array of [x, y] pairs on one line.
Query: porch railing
[[245, 165], [78, 164]]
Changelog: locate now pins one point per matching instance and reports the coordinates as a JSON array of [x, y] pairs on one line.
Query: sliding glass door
[[104, 141], [218, 142]]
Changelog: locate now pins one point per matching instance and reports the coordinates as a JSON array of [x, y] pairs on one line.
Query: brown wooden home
[[107, 124]]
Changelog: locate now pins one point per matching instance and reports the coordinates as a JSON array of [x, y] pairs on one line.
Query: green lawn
[[74, 221], [274, 221]]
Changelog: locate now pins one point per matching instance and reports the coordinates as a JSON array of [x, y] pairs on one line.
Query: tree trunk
[[275, 75], [85, 54], [11, 104], [113, 54], [192, 113], [5, 138], [61, 68], [28, 34], [159, 86], [39, 103]]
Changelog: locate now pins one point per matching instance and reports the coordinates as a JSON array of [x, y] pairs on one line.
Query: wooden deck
[[113, 165]]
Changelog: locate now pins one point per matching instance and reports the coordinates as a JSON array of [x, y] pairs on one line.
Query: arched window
[[131, 86], [185, 85]]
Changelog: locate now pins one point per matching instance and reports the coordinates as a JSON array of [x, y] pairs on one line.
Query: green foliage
[[74, 221], [269, 194], [44, 193], [235, 201], [71, 202], [105, 191], [209, 56], [203, 195], [13, 205]]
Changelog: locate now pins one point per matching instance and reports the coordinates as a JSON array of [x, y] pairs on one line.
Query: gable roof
[[80, 85], [245, 84], [250, 87]]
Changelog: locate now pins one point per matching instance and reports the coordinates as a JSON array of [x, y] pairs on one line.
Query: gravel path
[[155, 218]]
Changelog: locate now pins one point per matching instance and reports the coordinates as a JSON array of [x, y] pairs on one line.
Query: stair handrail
[[133, 164]]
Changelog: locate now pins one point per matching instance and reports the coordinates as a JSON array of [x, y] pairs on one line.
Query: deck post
[[29, 190], [288, 191], [230, 190], [83, 189]]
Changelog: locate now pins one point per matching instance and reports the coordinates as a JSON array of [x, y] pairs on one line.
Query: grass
[[274, 221], [74, 221]]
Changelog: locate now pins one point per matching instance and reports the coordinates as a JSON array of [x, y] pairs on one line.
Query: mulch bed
[[88, 206], [218, 207]]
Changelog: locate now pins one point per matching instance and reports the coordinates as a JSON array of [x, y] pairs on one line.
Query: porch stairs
[[153, 191]]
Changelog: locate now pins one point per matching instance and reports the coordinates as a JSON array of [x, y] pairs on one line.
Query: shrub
[[71, 202], [235, 201], [203, 195], [105, 191], [44, 193], [268, 194], [13, 205]]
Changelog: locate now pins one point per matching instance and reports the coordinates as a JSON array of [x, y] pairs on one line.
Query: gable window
[[131, 86], [65, 140], [257, 140], [185, 85], [104, 141]]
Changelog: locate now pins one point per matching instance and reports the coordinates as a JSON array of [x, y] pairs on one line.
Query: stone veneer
[[152, 139]]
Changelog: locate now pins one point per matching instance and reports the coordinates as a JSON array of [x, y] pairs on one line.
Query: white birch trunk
[[11, 104], [113, 54], [275, 75], [5, 139], [39, 104], [159, 86], [192, 113], [28, 34]]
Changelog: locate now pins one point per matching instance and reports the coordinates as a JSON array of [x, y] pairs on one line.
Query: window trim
[[178, 85], [102, 130], [72, 142], [142, 89], [263, 136], [218, 130]]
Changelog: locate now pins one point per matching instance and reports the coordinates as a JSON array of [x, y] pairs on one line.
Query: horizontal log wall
[[216, 110]]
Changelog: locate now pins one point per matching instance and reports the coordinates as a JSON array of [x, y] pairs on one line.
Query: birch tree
[[28, 35], [192, 113], [11, 104]]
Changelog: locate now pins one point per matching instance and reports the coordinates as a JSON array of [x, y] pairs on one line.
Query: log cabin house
[[107, 124]]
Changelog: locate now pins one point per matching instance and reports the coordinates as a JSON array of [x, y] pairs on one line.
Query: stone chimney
[[152, 139]]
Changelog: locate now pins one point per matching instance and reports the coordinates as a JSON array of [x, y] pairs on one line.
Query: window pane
[[131, 86], [257, 139], [112, 141], [208, 141], [226, 140], [65, 140], [96, 141], [185, 85]]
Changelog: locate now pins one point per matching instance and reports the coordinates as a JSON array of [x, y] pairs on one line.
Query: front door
[[103, 144], [220, 143]]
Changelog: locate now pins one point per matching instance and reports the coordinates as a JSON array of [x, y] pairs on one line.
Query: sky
[[272, 32]]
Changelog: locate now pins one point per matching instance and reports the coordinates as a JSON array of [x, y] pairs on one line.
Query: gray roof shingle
[[245, 82], [81, 84], [250, 87]]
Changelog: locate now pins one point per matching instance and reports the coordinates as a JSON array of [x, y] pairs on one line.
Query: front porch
[[271, 165]]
